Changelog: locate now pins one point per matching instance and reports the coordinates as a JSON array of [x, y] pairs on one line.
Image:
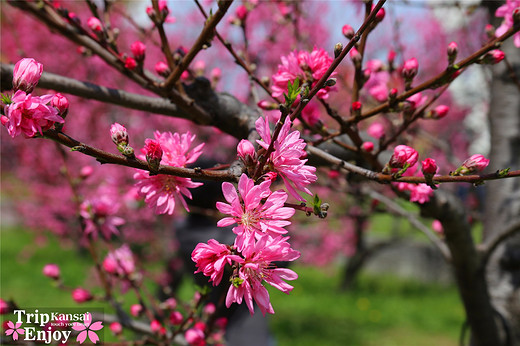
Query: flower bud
[[391, 56], [492, 57], [81, 295], [216, 74], [403, 155], [209, 309], [439, 112], [380, 15], [4, 307], [376, 130], [51, 271], [410, 68], [437, 226], [85, 172], [241, 13], [368, 146], [138, 50], [136, 309], [429, 167], [155, 326], [356, 106], [453, 50], [116, 328], [162, 69], [338, 47], [119, 134], [355, 57], [348, 31], [130, 63], [392, 94], [474, 163], [194, 336], [26, 74], [61, 103], [154, 153], [489, 30], [267, 105], [176, 318], [94, 24], [245, 148]]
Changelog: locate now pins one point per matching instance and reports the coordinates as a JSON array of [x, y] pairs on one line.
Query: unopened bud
[[162, 69], [26, 74], [241, 13], [489, 30], [380, 14], [439, 112], [153, 153], [51, 271], [392, 95], [138, 50], [368, 146], [410, 69], [474, 163], [452, 51], [355, 57], [492, 57], [348, 31], [119, 134], [356, 106], [338, 48], [130, 63], [61, 103], [516, 16], [429, 167], [95, 25]]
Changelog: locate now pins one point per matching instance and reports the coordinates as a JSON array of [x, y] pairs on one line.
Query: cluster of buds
[[120, 138], [475, 163], [158, 18]]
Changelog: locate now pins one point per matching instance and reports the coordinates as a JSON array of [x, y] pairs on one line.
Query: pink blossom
[[98, 214], [119, 134], [116, 328], [161, 190], [303, 65], [257, 267], [155, 326], [245, 148], [87, 329], [417, 100], [429, 166], [420, 193], [61, 103], [403, 155], [195, 337], [254, 218], [437, 226], [211, 258], [474, 163], [26, 74], [506, 11], [81, 295], [136, 309], [120, 261], [286, 160], [410, 68], [30, 114], [376, 130], [176, 318], [52, 271], [379, 92], [209, 309], [138, 50], [94, 24], [356, 106], [170, 303]]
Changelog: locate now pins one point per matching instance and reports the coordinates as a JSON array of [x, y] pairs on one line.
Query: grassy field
[[381, 311]]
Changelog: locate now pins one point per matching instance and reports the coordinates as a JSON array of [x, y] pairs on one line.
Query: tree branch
[[490, 246]]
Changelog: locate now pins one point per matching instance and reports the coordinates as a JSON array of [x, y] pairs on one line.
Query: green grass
[[380, 311]]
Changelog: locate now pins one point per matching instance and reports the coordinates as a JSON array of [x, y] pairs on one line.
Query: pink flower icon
[[14, 329], [87, 329]]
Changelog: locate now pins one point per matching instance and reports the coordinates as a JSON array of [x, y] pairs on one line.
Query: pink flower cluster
[[120, 261], [304, 65], [98, 215], [161, 190], [506, 11], [28, 114]]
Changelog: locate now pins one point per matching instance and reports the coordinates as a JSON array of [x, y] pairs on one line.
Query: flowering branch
[[202, 41], [230, 174]]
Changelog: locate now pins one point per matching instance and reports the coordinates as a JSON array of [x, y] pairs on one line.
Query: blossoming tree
[[309, 122]]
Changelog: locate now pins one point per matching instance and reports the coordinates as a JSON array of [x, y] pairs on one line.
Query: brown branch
[[231, 174], [205, 36], [165, 45], [490, 246]]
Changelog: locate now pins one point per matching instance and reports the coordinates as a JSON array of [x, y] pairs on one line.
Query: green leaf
[[6, 99]]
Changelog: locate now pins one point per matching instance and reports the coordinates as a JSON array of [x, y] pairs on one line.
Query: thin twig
[[490, 246]]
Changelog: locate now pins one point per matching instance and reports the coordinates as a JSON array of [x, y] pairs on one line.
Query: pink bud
[[356, 106], [403, 155], [380, 14], [154, 153], [355, 56], [81, 295], [116, 328], [453, 50], [376, 130], [4, 120], [489, 30], [136, 309], [493, 57], [391, 56], [264, 104], [368, 146], [61, 103], [94, 24], [185, 75], [119, 134], [162, 69], [241, 12], [130, 63], [221, 322], [437, 226], [110, 265], [52, 271], [209, 309], [475, 163], [155, 326], [333, 174], [176, 318], [245, 148], [170, 303], [347, 31], [199, 66], [4, 307], [138, 49], [392, 94], [216, 73], [194, 336], [410, 68], [26, 74], [429, 166], [440, 111], [85, 172]]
